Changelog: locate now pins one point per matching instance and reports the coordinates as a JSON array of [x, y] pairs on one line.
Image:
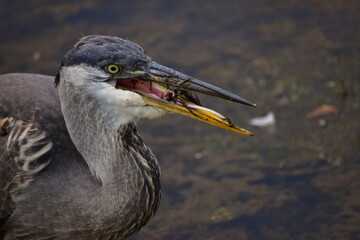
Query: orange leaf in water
[[322, 110]]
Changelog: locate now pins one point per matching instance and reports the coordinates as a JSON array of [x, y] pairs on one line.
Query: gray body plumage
[[97, 186], [78, 204]]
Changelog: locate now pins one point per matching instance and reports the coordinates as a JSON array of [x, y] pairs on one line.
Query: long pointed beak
[[168, 76], [175, 94]]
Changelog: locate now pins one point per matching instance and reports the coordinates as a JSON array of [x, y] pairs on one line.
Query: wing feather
[[26, 136]]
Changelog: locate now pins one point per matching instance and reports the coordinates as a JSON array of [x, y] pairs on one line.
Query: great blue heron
[[71, 162]]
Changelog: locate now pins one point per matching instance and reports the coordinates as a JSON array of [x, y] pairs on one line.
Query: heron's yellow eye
[[113, 68]]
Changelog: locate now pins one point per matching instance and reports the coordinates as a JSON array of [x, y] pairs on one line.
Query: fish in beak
[[165, 88]]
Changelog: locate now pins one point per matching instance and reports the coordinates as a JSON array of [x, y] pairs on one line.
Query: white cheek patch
[[127, 105], [121, 106], [82, 74], [116, 97]]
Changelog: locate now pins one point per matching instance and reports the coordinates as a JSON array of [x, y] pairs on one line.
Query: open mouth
[[162, 97], [152, 89], [139, 85]]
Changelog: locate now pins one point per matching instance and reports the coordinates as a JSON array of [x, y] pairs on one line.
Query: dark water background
[[297, 179]]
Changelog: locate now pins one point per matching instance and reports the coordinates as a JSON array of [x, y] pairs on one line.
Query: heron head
[[119, 73]]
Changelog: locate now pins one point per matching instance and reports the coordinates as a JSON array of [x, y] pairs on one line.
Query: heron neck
[[117, 157], [93, 127]]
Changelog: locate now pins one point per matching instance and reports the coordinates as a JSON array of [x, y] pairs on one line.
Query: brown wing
[[26, 150], [29, 113]]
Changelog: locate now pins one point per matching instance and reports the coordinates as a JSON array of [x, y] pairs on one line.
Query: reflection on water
[[297, 179]]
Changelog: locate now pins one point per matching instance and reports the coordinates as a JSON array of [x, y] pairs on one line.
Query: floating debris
[[36, 56], [322, 110], [267, 120]]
